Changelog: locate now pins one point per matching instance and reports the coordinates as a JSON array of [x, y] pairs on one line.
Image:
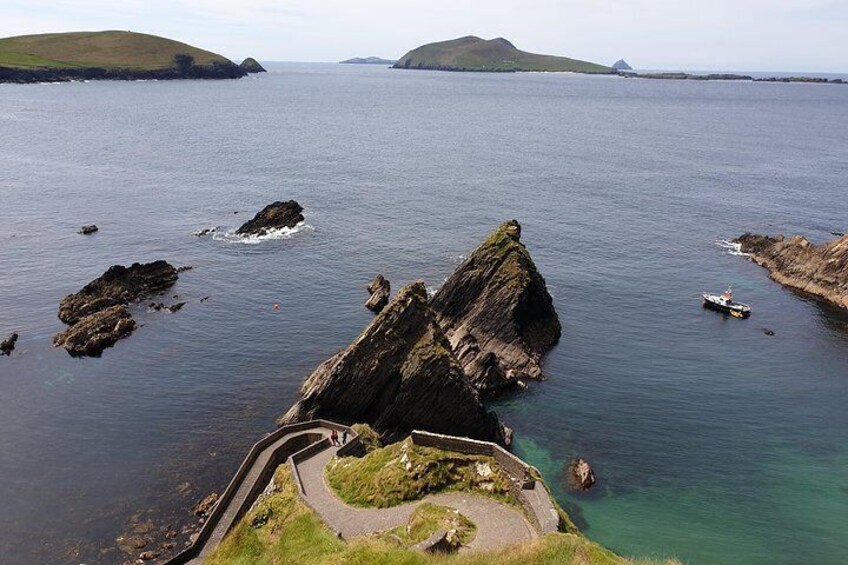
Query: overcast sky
[[769, 35]]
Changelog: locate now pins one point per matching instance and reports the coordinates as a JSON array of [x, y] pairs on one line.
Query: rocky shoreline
[[214, 71], [818, 270]]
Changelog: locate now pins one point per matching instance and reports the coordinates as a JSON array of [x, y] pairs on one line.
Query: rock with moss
[[252, 66], [399, 375], [498, 314], [817, 270]]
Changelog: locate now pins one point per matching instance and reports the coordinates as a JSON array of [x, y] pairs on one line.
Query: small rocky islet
[[818, 270], [98, 315], [275, 216]]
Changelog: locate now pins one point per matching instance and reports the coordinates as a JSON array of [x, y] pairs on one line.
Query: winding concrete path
[[498, 525]]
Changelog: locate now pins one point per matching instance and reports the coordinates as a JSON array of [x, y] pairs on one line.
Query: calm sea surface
[[712, 441]]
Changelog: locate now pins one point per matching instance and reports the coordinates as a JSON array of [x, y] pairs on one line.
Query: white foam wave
[[281, 233], [732, 248]]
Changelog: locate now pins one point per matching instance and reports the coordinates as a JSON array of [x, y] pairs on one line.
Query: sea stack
[[252, 66], [274, 216], [498, 314], [399, 375], [98, 315], [817, 270], [379, 289]]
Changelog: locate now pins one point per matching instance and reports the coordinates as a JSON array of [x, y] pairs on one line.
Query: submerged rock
[[8, 344], [581, 477], [399, 375], [498, 314], [95, 332], [274, 216], [86, 230], [380, 289], [818, 270], [98, 315], [205, 506]]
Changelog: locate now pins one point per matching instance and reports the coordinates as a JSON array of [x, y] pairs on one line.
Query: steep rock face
[[498, 314], [94, 333], [380, 290], [398, 375], [98, 315], [118, 285], [819, 270], [274, 216]]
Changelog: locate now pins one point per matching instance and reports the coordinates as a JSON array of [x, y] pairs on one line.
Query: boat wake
[[732, 248], [281, 233]]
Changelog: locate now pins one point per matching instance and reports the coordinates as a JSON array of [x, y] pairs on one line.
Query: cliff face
[[498, 314], [399, 375], [819, 270]]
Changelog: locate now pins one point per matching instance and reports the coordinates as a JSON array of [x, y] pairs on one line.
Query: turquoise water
[[712, 442]]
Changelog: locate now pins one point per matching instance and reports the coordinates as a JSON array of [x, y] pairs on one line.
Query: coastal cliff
[[399, 375], [818, 270], [498, 314]]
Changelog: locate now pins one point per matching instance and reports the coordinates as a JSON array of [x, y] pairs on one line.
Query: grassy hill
[[102, 49], [495, 55]]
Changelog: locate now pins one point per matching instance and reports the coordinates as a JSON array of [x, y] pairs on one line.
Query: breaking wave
[[281, 233], [732, 248]]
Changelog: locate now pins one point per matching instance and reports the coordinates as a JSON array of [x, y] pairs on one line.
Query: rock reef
[[273, 217], [88, 230], [98, 315], [399, 375], [817, 270], [497, 313], [380, 290]]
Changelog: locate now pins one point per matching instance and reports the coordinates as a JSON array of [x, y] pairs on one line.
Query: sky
[[727, 35]]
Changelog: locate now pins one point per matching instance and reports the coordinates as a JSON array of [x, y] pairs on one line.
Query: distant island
[[368, 61], [104, 55], [622, 65], [731, 76], [474, 54]]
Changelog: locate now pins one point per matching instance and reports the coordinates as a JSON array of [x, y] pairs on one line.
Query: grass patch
[[403, 472], [282, 530], [427, 520], [368, 437]]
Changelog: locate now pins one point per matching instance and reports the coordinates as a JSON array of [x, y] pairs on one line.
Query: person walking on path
[[334, 437], [344, 437]]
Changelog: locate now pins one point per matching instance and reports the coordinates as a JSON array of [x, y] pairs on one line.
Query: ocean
[[712, 441]]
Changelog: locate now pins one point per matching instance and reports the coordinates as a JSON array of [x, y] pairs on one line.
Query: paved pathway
[[498, 525]]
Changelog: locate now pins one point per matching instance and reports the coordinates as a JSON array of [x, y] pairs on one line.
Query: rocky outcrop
[[498, 314], [399, 375], [95, 332], [817, 270], [98, 315], [216, 70], [252, 66], [380, 290], [8, 344], [118, 285], [581, 477], [621, 65], [88, 230], [273, 217]]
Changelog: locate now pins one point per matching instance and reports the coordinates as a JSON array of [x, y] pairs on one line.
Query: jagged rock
[[8, 344], [95, 332], [205, 231], [581, 477], [176, 307], [204, 507], [380, 289], [498, 314], [118, 285], [98, 315], [398, 375], [274, 216], [818, 270], [86, 230]]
